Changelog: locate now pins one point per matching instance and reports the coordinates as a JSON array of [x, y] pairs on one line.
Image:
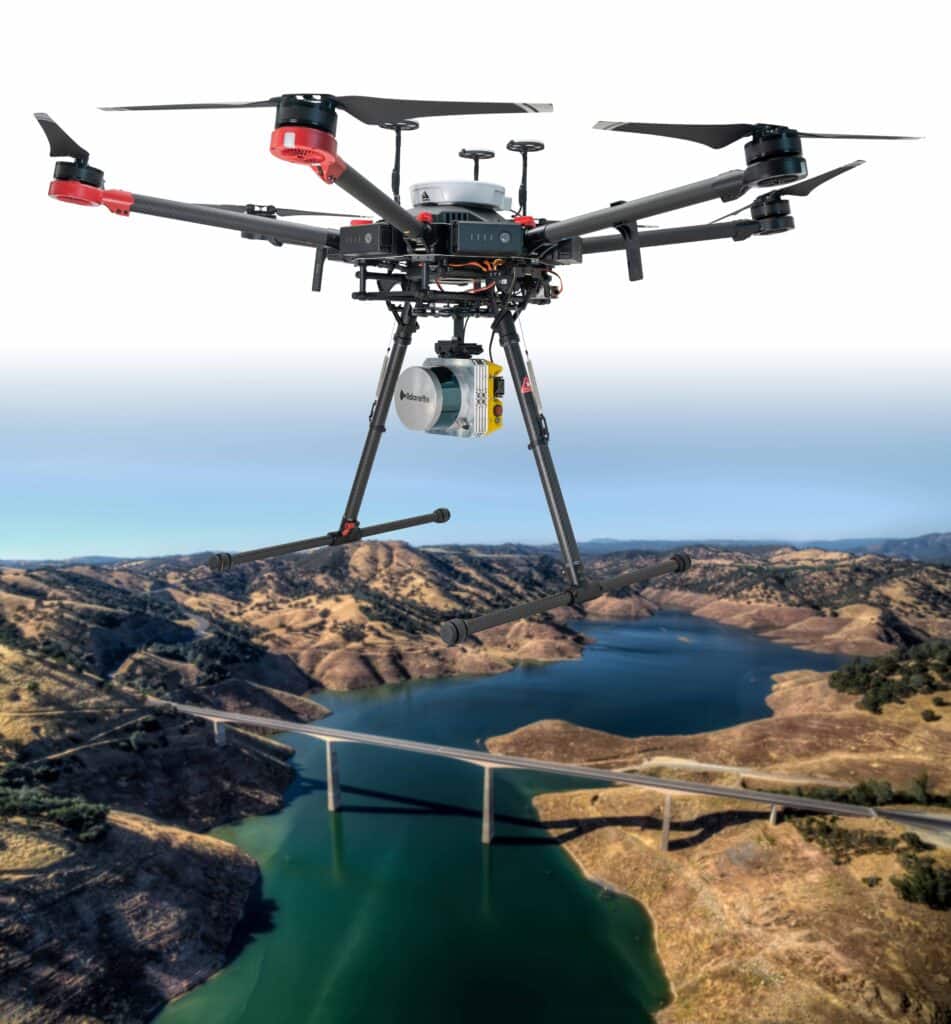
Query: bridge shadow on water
[[685, 833]]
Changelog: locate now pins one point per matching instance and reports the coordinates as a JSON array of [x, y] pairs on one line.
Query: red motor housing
[[78, 192], [299, 144], [75, 192]]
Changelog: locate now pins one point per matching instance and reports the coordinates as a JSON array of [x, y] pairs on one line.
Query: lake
[[391, 910]]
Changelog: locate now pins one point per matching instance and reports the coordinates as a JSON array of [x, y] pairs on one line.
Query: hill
[[813, 599], [813, 921], [367, 614], [100, 789], [930, 547]]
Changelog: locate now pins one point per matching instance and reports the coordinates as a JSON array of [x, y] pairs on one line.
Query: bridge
[[491, 763]]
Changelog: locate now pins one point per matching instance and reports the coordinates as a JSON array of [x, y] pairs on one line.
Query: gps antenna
[[475, 155], [524, 147], [398, 127]]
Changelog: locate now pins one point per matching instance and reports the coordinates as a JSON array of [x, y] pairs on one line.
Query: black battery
[[477, 238], [370, 240]]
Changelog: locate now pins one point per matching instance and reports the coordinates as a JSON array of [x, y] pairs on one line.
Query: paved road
[[785, 779], [484, 758]]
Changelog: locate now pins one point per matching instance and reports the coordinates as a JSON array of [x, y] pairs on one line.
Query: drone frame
[[404, 280]]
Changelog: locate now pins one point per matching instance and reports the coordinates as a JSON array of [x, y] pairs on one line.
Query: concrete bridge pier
[[665, 829], [333, 778], [221, 733], [488, 805], [774, 814]]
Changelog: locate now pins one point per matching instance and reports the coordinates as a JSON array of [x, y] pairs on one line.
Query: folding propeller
[[277, 211], [800, 188], [719, 135], [60, 143], [369, 109], [74, 176]]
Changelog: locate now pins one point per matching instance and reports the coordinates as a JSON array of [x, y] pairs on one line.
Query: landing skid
[[223, 561], [455, 631]]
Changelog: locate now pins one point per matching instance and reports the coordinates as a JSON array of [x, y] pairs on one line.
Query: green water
[[392, 910]]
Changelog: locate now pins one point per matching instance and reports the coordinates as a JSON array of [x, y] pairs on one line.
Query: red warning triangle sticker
[[526, 386]]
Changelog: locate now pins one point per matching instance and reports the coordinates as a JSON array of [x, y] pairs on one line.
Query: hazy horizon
[[400, 535]]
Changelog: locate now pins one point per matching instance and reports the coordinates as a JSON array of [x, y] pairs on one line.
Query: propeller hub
[[772, 213], [67, 170], [774, 157], [769, 205]]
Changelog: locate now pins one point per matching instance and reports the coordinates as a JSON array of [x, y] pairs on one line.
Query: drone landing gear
[[350, 529], [579, 590]]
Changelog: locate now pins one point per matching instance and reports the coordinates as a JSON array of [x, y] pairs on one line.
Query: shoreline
[[250, 910], [732, 904], [308, 621], [586, 641], [590, 877], [498, 651]]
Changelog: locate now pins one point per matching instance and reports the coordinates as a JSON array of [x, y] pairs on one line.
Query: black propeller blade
[[719, 135], [804, 187], [277, 211], [369, 109], [60, 143], [799, 188]]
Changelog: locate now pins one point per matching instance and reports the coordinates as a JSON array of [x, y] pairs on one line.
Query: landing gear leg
[[350, 530], [408, 325], [579, 589], [537, 429]]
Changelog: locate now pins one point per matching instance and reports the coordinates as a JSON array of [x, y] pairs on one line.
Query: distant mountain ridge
[[928, 547], [934, 548]]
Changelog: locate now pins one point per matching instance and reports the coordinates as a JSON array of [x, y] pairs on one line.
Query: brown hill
[[84, 647], [109, 923], [758, 923], [367, 614], [816, 600]]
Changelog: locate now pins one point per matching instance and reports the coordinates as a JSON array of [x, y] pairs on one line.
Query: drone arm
[[124, 203], [365, 192], [193, 213], [738, 230], [724, 186]]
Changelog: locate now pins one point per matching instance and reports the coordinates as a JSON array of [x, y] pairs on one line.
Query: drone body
[[459, 252]]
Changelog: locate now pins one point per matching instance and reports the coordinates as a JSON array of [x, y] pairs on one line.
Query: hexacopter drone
[[460, 252]]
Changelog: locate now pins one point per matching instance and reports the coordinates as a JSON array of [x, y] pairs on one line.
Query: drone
[[461, 251]]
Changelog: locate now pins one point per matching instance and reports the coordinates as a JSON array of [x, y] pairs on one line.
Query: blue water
[[391, 910]]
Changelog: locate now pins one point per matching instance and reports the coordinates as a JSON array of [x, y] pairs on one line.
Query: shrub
[[351, 632], [921, 669], [924, 882], [87, 820], [10, 635], [929, 715], [139, 740], [872, 793], [841, 843]]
